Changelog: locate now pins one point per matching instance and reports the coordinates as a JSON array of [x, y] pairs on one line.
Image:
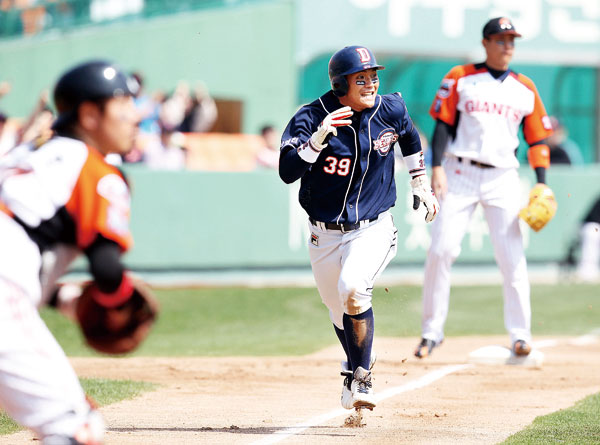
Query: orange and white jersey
[[487, 113], [64, 191]]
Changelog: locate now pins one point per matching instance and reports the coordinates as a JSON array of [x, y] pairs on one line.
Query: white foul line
[[318, 420]]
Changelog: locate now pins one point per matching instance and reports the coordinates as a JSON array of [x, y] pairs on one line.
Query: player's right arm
[[444, 111], [305, 137]]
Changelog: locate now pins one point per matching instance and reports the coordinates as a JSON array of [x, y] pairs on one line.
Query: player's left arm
[[536, 129]]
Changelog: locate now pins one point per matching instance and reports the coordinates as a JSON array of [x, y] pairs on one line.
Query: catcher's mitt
[[120, 329], [541, 208]]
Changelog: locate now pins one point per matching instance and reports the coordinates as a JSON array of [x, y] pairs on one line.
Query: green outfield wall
[[240, 53], [202, 220]]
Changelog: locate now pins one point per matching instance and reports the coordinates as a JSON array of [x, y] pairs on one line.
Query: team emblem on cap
[[384, 141], [505, 23], [364, 55]]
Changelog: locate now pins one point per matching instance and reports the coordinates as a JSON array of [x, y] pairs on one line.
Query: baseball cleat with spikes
[[521, 348], [362, 389], [347, 399], [425, 347]]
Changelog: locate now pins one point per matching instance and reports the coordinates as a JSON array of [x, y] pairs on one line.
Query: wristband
[[116, 298]]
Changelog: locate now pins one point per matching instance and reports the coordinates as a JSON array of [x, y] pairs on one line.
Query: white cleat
[[347, 399], [362, 389]]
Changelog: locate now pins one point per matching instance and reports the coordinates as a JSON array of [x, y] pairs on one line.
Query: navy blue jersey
[[353, 178]]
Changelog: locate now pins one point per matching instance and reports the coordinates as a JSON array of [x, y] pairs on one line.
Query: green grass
[[577, 425], [293, 321], [103, 391]]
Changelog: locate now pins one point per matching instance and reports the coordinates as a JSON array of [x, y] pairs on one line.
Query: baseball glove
[[119, 329], [541, 208]]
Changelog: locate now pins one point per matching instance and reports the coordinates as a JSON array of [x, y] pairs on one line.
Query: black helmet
[[89, 81], [349, 60]]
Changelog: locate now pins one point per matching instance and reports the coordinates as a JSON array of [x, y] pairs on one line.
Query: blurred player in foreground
[[63, 192], [479, 109], [341, 147]]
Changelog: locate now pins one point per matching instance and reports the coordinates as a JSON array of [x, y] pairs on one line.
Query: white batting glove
[[422, 193], [312, 148]]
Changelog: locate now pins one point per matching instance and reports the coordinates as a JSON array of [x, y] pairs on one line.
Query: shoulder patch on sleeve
[[114, 189], [445, 87]]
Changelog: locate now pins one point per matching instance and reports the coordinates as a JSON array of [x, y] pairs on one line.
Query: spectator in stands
[[173, 109], [166, 153], [562, 150], [7, 137], [201, 111], [39, 122], [4, 88], [148, 107], [268, 156]]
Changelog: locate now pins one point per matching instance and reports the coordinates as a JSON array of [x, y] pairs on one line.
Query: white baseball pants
[[497, 190], [38, 386], [588, 268], [346, 265]]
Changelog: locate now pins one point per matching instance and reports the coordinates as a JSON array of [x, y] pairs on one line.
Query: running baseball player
[[341, 147], [479, 109], [63, 192]]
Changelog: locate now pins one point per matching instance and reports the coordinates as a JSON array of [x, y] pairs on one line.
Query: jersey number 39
[[333, 166]]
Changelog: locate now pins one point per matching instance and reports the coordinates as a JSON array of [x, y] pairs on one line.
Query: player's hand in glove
[[318, 141], [337, 118], [422, 194], [116, 323], [541, 208]]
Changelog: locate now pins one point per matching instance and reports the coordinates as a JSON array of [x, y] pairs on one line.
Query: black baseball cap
[[499, 25]]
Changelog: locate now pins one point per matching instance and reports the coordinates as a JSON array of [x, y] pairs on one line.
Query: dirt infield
[[244, 400]]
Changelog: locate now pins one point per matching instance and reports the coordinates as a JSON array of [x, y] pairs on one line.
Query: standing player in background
[[341, 147], [63, 192], [588, 268], [479, 109]]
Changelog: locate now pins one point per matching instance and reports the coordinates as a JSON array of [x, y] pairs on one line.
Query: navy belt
[[341, 227], [475, 163]]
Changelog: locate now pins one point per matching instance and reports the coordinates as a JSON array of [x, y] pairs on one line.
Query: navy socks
[[358, 330]]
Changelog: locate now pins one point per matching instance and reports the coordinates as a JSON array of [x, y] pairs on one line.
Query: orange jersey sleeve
[[100, 203], [536, 126], [446, 99]]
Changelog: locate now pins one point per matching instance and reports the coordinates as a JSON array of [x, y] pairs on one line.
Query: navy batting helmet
[[90, 81], [349, 60]]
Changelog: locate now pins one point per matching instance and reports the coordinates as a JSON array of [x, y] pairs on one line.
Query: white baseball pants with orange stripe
[[346, 265], [498, 191], [38, 386]]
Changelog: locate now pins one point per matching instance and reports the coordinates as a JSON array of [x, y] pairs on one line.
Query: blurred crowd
[[28, 17], [165, 119]]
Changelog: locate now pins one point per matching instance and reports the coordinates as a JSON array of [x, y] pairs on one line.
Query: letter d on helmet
[[349, 60]]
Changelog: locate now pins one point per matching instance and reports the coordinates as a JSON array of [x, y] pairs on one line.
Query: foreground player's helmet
[[349, 60], [90, 81]]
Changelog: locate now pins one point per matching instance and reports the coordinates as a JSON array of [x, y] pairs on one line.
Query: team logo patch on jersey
[[384, 141], [546, 123], [445, 88], [113, 188], [291, 141], [314, 239]]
